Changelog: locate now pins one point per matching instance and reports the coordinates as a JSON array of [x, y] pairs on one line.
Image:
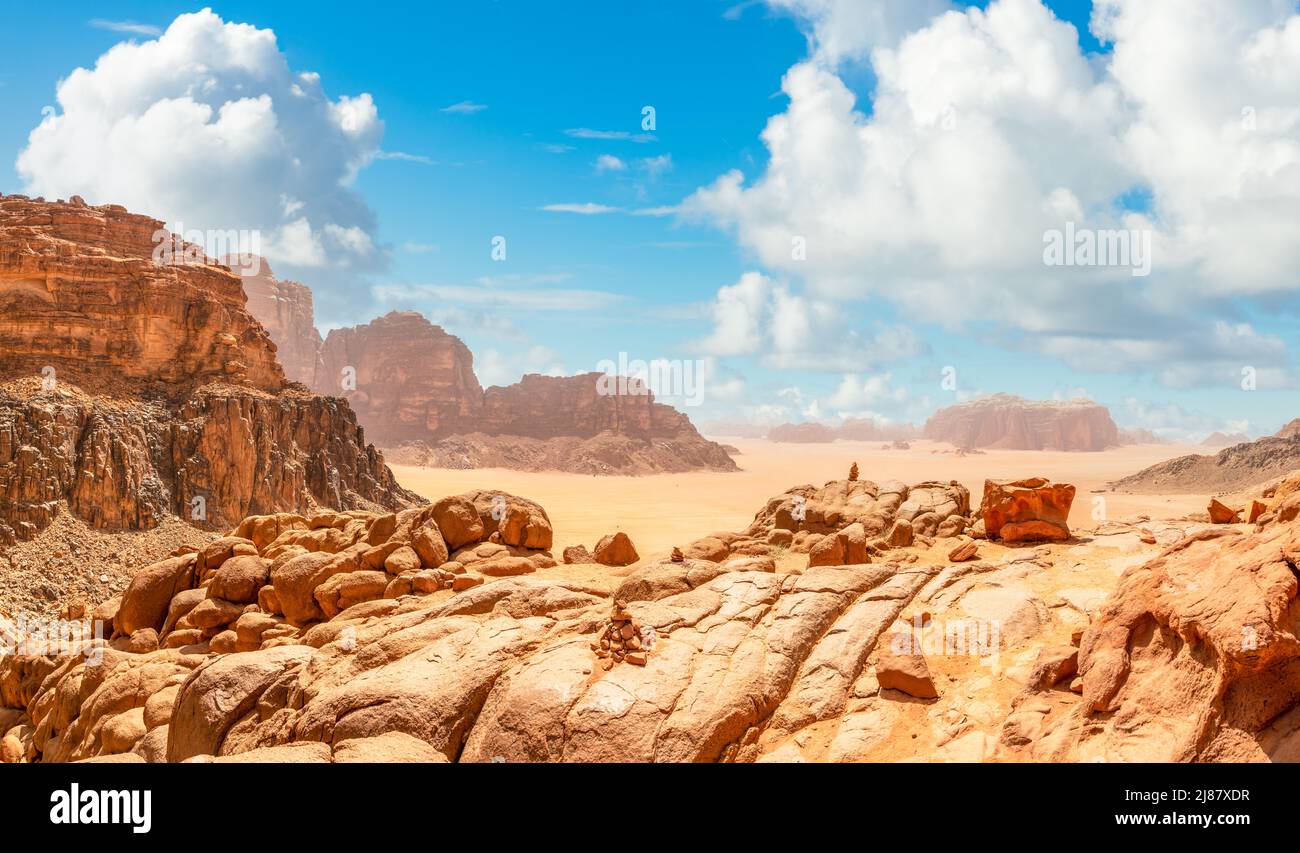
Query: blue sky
[[550, 108]]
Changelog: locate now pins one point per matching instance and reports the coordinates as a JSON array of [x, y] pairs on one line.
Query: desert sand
[[662, 510]]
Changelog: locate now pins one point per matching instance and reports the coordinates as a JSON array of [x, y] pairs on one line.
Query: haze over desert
[[663, 510]]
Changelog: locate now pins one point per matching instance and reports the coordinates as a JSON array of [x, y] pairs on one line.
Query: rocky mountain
[[414, 389], [139, 388], [1222, 439], [285, 310], [1137, 435], [1012, 423], [1290, 430], [1239, 466]]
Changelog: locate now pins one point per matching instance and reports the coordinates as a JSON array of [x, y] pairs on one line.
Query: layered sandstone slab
[[1012, 423], [108, 300]]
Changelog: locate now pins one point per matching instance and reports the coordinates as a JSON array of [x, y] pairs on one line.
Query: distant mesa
[[414, 390], [854, 429], [809, 433], [1007, 422], [1137, 435], [1220, 439]]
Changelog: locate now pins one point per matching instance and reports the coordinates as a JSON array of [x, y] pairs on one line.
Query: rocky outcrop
[[688, 661], [139, 387], [1029, 510], [224, 453], [111, 302], [1012, 423], [844, 522], [1240, 466], [285, 310], [1194, 657]]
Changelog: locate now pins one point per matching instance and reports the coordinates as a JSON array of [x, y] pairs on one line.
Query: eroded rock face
[[81, 292], [1012, 423], [414, 389], [1194, 657], [712, 661], [224, 453], [412, 379], [137, 386]]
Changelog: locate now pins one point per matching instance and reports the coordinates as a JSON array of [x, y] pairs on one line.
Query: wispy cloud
[[402, 155], [662, 210], [610, 163], [126, 27], [518, 279], [502, 298], [467, 108], [617, 135], [557, 148], [419, 248], [734, 13], [586, 209]]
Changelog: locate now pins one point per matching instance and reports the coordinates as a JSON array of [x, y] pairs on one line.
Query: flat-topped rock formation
[[414, 390], [138, 387], [853, 429], [1008, 422], [407, 378]]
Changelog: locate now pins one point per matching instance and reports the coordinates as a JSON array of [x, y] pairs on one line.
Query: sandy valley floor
[[661, 511]]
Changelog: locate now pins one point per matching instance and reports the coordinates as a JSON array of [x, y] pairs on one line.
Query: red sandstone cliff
[[406, 378], [413, 387], [285, 311], [80, 292], [138, 386], [1012, 423]]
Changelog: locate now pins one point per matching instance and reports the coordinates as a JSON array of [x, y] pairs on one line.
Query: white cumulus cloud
[[207, 127]]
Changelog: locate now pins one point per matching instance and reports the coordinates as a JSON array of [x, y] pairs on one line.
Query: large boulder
[[616, 549], [1028, 510], [458, 520], [150, 592], [239, 579]]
